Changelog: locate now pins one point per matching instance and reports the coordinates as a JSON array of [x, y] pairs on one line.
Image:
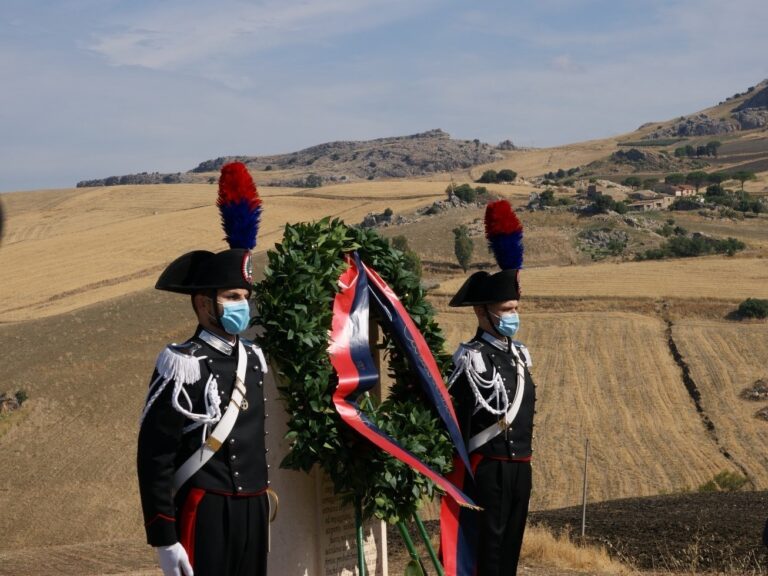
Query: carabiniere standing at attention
[[201, 449], [494, 398]]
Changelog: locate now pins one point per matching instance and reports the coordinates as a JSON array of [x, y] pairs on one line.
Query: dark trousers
[[503, 491], [230, 535]]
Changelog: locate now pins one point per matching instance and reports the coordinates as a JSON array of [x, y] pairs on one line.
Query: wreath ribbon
[[350, 356]]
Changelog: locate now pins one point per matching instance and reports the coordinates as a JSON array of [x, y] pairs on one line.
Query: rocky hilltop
[[751, 113], [397, 157]]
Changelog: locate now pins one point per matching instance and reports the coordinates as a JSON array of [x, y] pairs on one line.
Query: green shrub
[[21, 396], [465, 193], [506, 175], [724, 481], [680, 246], [753, 308], [489, 177]]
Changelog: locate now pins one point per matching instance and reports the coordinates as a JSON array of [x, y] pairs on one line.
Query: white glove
[[173, 560]]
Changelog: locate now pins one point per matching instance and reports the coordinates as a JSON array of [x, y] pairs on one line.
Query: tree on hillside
[[696, 178], [718, 177], [506, 175], [489, 177], [632, 181], [742, 176], [712, 147], [462, 246], [547, 198], [674, 179]]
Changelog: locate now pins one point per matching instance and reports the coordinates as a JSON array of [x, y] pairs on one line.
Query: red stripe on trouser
[[187, 522], [449, 518]]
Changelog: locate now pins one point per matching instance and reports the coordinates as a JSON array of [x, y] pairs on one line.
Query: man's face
[[209, 310], [230, 295], [488, 314], [500, 308]]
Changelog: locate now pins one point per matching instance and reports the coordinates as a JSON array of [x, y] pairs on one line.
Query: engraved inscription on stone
[[337, 535]]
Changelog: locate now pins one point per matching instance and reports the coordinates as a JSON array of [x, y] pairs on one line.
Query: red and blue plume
[[239, 205], [504, 232]]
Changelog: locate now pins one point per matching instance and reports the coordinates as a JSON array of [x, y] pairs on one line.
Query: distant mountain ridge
[[394, 157], [434, 151]]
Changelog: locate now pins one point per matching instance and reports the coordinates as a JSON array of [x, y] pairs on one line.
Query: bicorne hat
[[201, 270], [504, 233]]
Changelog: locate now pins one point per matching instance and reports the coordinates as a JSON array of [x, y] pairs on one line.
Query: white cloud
[[179, 33]]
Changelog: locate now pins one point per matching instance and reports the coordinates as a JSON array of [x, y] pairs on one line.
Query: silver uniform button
[[231, 440], [233, 457], [237, 474], [239, 488]]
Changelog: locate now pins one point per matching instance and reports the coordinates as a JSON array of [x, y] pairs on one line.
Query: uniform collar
[[495, 342], [216, 342]]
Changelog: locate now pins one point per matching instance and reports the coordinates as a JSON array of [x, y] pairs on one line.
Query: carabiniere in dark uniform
[[494, 398], [201, 458], [514, 443], [168, 437]]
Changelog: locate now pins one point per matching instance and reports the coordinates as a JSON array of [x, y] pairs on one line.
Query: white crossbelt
[[222, 429], [495, 429]]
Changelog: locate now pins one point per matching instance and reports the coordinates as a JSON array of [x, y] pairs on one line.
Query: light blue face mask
[[508, 324], [236, 316]]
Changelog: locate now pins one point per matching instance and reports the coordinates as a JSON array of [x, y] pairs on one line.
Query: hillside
[[396, 157]]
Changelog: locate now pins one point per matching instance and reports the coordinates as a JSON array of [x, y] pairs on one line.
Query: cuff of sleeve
[[161, 531]]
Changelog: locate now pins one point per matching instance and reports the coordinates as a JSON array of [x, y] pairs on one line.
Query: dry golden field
[[81, 327], [90, 244], [608, 377], [724, 359], [691, 278]]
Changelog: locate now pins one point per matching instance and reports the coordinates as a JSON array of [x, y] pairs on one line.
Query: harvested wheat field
[[611, 378], [87, 245], [725, 359], [705, 277]]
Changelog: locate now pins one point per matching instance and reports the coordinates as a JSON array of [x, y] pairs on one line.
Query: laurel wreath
[[294, 303]]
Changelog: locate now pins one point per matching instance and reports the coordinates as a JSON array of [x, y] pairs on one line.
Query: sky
[[94, 88]]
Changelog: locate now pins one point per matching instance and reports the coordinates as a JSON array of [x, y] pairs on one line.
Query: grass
[[543, 547]]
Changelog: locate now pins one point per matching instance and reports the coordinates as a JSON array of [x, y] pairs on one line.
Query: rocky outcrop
[[758, 100], [142, 178], [752, 118], [750, 114], [696, 125], [8, 403], [638, 160], [397, 157]]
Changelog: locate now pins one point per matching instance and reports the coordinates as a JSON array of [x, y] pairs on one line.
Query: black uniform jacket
[[239, 467], [513, 443]]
